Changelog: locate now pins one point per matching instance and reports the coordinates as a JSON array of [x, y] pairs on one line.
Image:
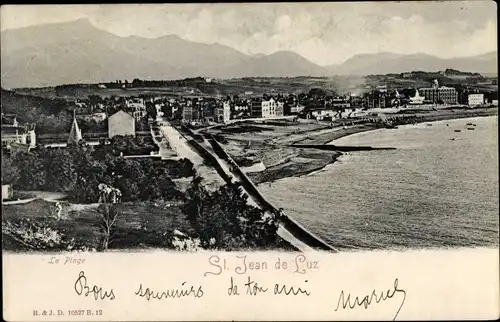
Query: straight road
[[183, 149], [179, 144]]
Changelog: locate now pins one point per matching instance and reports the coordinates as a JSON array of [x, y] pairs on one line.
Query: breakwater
[[344, 148]]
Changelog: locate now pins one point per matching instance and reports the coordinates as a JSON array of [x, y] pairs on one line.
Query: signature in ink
[[82, 288], [345, 303]]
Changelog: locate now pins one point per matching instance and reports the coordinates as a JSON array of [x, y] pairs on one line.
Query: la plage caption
[[66, 260]]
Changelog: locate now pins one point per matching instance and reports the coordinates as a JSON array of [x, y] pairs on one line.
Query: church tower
[[75, 135]]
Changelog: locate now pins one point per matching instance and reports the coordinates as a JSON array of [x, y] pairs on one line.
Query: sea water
[[439, 188]]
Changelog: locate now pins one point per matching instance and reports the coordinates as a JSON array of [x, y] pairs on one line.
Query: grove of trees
[[50, 115], [223, 219], [78, 169]]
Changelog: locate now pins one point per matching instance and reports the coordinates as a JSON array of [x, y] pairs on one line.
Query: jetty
[[341, 148]]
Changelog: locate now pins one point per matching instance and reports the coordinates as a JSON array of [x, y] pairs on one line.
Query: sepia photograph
[[250, 161], [186, 127]]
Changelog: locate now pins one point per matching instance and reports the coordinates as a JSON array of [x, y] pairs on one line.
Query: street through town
[[183, 150]]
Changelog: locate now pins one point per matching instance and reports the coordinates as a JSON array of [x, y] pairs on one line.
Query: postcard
[[250, 161]]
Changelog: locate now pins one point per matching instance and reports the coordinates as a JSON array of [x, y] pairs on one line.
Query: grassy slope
[[139, 225]]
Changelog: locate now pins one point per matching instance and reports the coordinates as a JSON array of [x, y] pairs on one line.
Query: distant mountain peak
[[79, 52]]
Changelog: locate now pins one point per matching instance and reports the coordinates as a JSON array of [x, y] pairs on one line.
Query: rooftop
[[10, 129]]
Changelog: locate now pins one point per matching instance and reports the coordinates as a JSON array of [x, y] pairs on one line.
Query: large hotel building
[[436, 94]]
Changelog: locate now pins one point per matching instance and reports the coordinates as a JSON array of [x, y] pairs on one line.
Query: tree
[[194, 198], [60, 170], [10, 172], [151, 110], [32, 171], [223, 219], [317, 92], [109, 196]]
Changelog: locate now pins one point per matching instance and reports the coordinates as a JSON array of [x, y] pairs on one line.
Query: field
[[243, 87], [139, 224]]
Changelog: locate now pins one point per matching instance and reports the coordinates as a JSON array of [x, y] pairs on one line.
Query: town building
[[268, 108], [242, 107], [321, 113], [375, 99], [75, 134], [6, 191], [356, 101], [187, 113], [396, 99], [256, 108], [475, 99], [337, 102], [121, 123], [18, 136], [226, 109], [416, 99], [137, 106], [9, 119], [296, 109], [440, 95], [138, 115], [280, 108], [219, 115], [382, 88], [348, 112]]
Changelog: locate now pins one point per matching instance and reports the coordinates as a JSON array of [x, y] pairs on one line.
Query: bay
[[439, 188]]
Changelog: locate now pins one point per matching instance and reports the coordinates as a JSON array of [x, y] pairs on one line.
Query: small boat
[[458, 130], [470, 128], [452, 139], [428, 124], [468, 124], [447, 124]]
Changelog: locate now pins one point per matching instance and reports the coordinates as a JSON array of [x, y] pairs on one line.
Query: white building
[[475, 99], [121, 123], [241, 107], [136, 104], [269, 108], [417, 99], [320, 114], [296, 108]]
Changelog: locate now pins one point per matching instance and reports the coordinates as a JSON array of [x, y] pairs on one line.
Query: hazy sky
[[325, 33]]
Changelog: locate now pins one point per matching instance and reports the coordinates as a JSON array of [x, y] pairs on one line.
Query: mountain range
[[78, 52]]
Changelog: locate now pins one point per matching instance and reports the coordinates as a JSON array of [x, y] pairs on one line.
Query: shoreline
[[273, 174]]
